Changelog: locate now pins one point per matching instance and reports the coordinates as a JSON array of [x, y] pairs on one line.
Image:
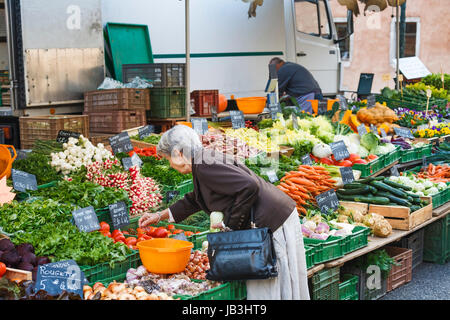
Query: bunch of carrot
[[438, 173], [305, 184]]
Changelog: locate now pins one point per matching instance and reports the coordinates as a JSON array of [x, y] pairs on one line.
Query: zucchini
[[354, 185], [395, 200], [415, 208], [378, 178], [413, 195], [374, 200], [350, 192], [373, 190], [396, 185], [346, 197], [384, 187], [410, 199], [416, 201], [366, 180]]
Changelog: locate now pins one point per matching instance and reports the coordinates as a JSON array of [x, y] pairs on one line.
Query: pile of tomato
[[349, 162], [145, 152], [133, 236]]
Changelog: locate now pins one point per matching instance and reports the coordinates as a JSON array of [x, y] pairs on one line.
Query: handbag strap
[[252, 219]]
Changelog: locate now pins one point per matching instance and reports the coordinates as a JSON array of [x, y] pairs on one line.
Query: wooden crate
[[116, 121], [16, 274], [116, 99], [141, 144], [401, 218], [98, 137]]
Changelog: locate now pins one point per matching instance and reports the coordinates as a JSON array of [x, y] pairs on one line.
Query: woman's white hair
[[180, 138]]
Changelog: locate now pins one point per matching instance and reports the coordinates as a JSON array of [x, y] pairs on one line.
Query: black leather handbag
[[242, 255]]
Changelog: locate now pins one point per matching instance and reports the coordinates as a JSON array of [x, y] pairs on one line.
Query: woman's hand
[[149, 219]]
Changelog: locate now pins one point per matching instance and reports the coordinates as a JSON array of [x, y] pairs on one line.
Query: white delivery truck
[[54, 49]]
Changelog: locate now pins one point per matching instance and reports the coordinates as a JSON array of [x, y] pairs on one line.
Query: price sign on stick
[[374, 129], [63, 136], [60, 276], [327, 200], [214, 117], [347, 175], [146, 131], [386, 78], [343, 102], [428, 100], [339, 150], [394, 171], [306, 160], [121, 143], [404, 132], [294, 122], [86, 219], [200, 125], [362, 130], [383, 133], [237, 119], [371, 101], [23, 181], [132, 161], [119, 214]]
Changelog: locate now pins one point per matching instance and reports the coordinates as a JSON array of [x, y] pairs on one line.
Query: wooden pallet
[[16, 274]]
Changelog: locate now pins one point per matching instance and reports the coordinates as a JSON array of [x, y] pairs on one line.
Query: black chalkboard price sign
[[214, 117], [347, 175], [85, 219], [362, 130], [237, 119], [119, 214], [371, 101], [343, 103], [404, 132], [131, 162], [306, 160], [383, 133], [327, 200], [121, 143], [63, 136], [23, 181], [60, 276], [146, 131], [339, 150], [200, 125], [171, 194], [274, 110], [394, 171]]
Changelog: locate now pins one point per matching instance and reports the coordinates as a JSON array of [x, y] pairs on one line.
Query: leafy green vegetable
[[38, 164], [381, 259], [265, 123], [161, 172], [153, 139], [83, 194], [370, 141], [62, 241], [302, 148], [199, 219]]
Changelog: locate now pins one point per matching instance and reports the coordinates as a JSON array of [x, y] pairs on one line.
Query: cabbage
[[432, 191], [362, 152], [321, 150], [369, 141], [428, 184], [418, 187], [420, 193], [442, 186], [215, 218], [380, 150], [354, 139], [394, 179], [311, 225]]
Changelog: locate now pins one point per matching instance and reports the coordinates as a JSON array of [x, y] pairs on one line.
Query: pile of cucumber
[[382, 191]]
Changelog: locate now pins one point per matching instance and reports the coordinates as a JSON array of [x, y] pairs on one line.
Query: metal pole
[[397, 42], [188, 63]]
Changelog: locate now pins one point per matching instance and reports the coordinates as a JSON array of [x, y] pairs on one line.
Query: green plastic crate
[[222, 292], [357, 240], [238, 290], [183, 188], [167, 103], [436, 246], [441, 198], [410, 102], [309, 254], [325, 285], [370, 168], [198, 238], [326, 250], [415, 153], [104, 272], [393, 156], [348, 287]]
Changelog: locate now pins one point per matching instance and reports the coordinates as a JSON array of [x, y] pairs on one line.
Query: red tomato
[[177, 231], [121, 241], [116, 232], [130, 246], [160, 233], [360, 161], [150, 231], [353, 157], [120, 238], [146, 237], [188, 233], [2, 269], [131, 241], [106, 233], [345, 163], [170, 227], [314, 158], [372, 157], [326, 161], [104, 226]]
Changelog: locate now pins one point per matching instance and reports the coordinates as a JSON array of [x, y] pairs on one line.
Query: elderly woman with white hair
[[225, 185]]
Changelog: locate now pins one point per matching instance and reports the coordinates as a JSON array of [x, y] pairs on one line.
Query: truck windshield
[[312, 18]]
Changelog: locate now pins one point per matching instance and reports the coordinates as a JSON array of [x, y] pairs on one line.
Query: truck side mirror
[[349, 27]]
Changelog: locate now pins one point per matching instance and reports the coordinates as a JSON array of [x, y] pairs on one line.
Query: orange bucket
[[165, 255], [6, 160], [251, 105]]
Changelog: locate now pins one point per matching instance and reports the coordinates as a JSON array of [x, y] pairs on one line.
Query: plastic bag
[[138, 83], [110, 83]]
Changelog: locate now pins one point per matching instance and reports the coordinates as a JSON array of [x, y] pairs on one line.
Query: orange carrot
[[302, 182]]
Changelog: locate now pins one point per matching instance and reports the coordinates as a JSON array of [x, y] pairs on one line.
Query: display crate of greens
[[167, 103], [436, 246], [414, 242], [393, 156], [348, 287], [410, 102], [104, 215], [370, 168], [326, 250], [415, 153], [183, 188], [357, 240], [106, 273], [309, 254], [325, 284], [402, 273]]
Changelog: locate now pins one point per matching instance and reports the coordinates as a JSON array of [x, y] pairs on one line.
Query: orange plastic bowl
[[251, 105], [165, 255], [6, 160]]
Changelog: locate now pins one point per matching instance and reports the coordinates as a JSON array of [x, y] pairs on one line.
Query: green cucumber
[[379, 178], [384, 187], [345, 197], [410, 199], [373, 190], [394, 199], [415, 208], [350, 192], [396, 185], [373, 200], [365, 180], [416, 201], [413, 195], [354, 185]]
